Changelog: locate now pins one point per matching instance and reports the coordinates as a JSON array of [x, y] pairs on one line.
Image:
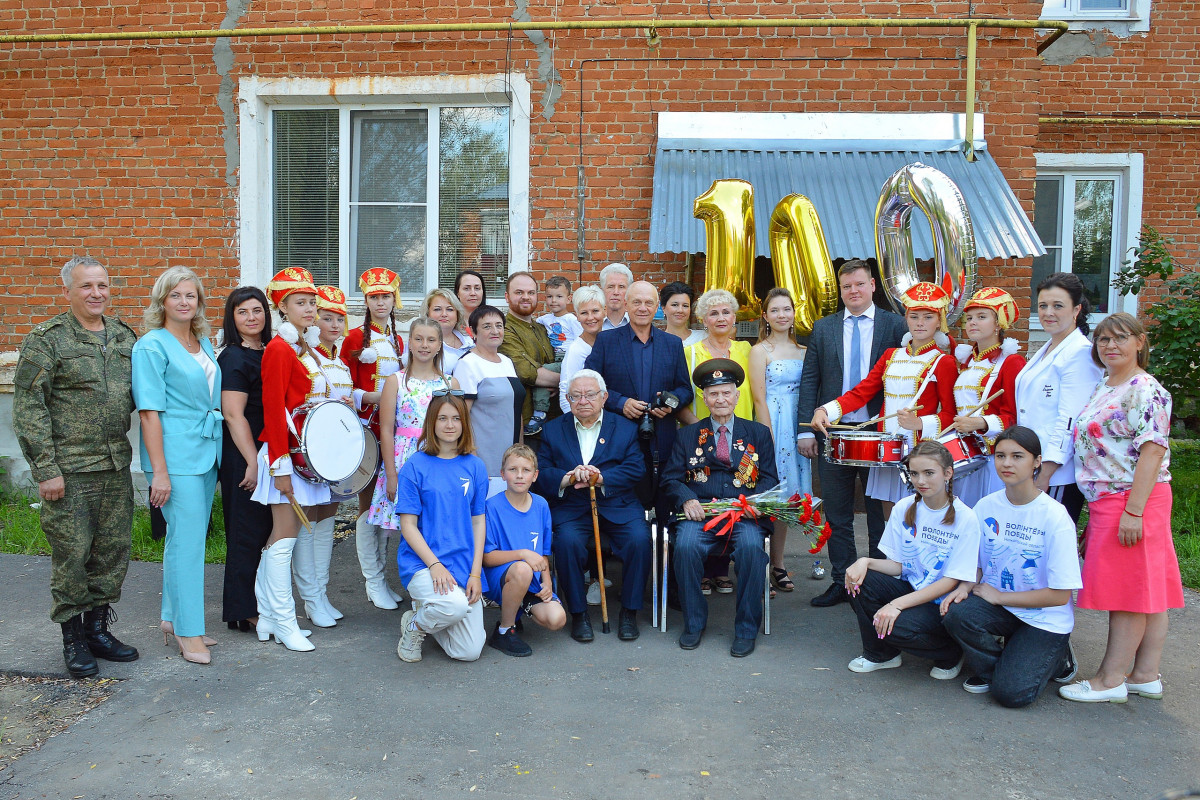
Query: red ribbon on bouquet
[[741, 508]]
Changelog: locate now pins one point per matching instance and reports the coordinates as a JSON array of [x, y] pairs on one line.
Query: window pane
[[1103, 5], [392, 237], [1047, 221], [391, 157], [1091, 255], [305, 192], [473, 207]]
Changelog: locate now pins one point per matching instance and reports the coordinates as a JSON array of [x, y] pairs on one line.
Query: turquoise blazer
[[167, 379]]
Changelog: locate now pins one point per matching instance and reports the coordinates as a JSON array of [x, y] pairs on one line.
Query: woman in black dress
[[247, 329]]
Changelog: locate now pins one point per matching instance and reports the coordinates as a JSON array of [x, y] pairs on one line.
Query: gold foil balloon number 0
[[799, 255]]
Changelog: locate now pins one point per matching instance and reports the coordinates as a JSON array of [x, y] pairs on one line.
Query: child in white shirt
[[563, 328]]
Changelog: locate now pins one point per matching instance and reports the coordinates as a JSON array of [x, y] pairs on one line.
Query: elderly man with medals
[[719, 458]]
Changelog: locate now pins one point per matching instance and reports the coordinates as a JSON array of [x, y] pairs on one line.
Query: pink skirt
[[1142, 579]]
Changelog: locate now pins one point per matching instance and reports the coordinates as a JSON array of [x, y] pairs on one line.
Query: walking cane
[[599, 556]]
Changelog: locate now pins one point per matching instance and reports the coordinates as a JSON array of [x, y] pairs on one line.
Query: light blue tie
[[855, 354]]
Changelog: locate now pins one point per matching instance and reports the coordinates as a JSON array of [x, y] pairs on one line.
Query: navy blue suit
[[613, 356], [622, 518], [694, 473]]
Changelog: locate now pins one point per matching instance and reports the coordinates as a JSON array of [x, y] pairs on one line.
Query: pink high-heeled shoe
[[193, 656], [169, 630]]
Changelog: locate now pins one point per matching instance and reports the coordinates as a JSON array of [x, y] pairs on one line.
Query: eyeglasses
[[449, 392], [575, 397], [1118, 338]]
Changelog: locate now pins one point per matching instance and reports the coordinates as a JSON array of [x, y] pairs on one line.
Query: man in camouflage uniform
[[71, 411]]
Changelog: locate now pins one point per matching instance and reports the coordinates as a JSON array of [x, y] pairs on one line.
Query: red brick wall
[[117, 149], [1148, 75]]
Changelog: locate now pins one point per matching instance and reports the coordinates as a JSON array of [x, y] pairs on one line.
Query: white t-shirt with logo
[[1023, 548], [931, 549]]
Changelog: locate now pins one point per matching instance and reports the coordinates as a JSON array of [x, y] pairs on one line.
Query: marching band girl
[[406, 398], [988, 365], [286, 386], [372, 352], [330, 379], [917, 381]]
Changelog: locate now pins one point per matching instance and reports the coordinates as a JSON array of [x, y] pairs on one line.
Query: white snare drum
[[330, 441], [969, 451], [865, 448], [364, 476]]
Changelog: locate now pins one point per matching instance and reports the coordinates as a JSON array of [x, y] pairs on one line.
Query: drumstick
[[831, 426], [972, 411], [300, 513], [897, 413]]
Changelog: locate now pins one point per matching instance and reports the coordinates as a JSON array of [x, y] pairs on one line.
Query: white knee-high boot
[[366, 541], [274, 592], [304, 569], [382, 539], [322, 553]]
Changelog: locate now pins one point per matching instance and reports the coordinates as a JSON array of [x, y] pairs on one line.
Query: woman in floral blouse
[[1130, 570]]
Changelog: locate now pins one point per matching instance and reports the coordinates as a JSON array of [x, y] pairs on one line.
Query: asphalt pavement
[[609, 719]]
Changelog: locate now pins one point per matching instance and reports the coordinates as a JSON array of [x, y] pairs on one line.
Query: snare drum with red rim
[[330, 441], [865, 448], [969, 451]]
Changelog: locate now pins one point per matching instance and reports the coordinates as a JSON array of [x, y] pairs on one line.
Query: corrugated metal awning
[[843, 180]]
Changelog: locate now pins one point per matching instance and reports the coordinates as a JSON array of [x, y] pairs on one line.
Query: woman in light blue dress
[[776, 363], [177, 389]]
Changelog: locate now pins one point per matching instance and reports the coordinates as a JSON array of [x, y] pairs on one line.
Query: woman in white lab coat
[[1057, 382]]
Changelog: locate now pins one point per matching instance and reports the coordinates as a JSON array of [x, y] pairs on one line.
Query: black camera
[[661, 400]]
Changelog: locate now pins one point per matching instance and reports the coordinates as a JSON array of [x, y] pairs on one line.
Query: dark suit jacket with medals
[[694, 473], [617, 456]]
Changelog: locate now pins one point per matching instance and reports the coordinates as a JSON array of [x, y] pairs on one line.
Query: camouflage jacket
[[73, 397]]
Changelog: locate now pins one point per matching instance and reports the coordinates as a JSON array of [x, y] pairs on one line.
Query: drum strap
[[992, 378], [930, 374]]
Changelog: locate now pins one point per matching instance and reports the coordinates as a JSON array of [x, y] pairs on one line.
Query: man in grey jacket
[[841, 351]]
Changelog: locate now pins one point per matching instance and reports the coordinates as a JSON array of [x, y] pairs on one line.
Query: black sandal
[[781, 580]]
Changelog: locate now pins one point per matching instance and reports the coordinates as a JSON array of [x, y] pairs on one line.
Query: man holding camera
[[647, 379], [584, 448]]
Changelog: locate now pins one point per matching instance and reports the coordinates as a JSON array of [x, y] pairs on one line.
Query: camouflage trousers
[[90, 530]]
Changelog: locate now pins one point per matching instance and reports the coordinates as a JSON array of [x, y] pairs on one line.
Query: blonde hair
[[155, 314], [449, 297], [519, 451], [715, 297], [425, 322]]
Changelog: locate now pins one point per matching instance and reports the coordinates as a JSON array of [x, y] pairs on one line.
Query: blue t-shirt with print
[[444, 493], [510, 529]]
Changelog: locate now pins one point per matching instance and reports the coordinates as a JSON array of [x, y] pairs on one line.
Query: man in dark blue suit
[[584, 447], [720, 458], [639, 362], [841, 351]]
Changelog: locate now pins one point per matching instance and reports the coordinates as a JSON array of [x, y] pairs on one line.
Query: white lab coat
[[1051, 391]]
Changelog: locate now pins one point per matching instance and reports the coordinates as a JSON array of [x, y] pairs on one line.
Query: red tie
[[723, 445]]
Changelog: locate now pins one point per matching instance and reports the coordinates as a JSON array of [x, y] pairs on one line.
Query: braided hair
[[938, 452]]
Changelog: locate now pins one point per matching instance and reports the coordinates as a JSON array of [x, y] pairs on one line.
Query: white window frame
[[1134, 18], [258, 96], [1127, 210]]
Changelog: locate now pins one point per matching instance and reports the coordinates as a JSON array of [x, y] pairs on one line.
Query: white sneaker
[[937, 673], [411, 639], [864, 664], [1083, 692], [1152, 689], [593, 594]]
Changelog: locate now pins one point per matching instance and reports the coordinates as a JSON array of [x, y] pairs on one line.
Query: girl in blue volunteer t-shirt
[[1027, 568], [931, 542], [440, 500]]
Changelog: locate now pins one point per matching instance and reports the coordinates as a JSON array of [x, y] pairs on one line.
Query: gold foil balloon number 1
[[799, 255]]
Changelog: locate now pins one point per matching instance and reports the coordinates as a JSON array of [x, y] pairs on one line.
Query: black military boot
[[102, 643], [80, 661]]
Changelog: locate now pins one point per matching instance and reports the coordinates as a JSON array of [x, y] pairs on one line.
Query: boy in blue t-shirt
[[515, 551]]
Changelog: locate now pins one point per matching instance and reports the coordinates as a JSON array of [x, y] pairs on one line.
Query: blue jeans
[[630, 543], [1017, 670], [918, 630], [693, 545]]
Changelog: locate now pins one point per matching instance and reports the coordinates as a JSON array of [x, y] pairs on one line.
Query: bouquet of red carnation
[[798, 511]]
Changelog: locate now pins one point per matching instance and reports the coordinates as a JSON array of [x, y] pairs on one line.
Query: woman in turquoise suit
[[177, 389]]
